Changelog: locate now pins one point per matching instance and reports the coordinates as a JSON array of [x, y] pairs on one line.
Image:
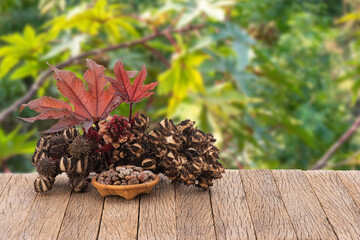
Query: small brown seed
[[133, 181], [117, 183], [114, 178], [123, 181], [101, 179], [129, 177], [121, 176], [143, 176], [139, 169], [120, 168], [108, 181]]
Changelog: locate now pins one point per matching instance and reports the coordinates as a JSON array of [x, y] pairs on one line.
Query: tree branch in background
[[43, 76], [157, 54], [323, 161]]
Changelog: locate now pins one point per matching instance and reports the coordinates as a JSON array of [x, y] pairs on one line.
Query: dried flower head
[[116, 130]]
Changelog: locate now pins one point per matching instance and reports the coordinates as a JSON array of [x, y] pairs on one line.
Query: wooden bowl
[[125, 191]]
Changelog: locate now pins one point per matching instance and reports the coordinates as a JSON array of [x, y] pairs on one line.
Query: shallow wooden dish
[[125, 191]]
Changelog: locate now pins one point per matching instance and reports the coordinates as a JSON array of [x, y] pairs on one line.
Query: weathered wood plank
[[351, 180], [267, 210], [47, 212], [337, 203], [303, 207], [120, 218], [231, 213], [15, 203], [82, 216], [4, 179], [194, 218], [157, 218]]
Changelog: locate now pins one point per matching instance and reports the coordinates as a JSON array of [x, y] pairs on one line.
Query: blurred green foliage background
[[275, 81]]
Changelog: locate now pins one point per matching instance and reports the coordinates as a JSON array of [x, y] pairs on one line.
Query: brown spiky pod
[[82, 147], [185, 154], [47, 167], [137, 152]]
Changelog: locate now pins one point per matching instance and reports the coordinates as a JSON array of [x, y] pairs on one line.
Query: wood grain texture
[[231, 213], [4, 179], [120, 218], [303, 207], [15, 204], [82, 216], [47, 212], [157, 218], [267, 210], [351, 180], [194, 218], [337, 203]]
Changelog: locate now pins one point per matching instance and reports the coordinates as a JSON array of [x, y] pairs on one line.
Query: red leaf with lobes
[[89, 105], [122, 85]]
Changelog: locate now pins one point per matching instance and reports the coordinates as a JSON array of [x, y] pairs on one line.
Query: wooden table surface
[[245, 204]]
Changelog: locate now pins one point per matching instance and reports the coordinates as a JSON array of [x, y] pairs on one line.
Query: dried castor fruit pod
[[43, 184], [53, 145], [140, 125], [47, 167], [67, 164], [78, 182], [185, 154], [138, 152], [58, 146], [82, 147]]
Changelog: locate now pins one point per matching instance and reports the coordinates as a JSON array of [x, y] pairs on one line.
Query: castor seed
[[128, 178], [133, 181], [143, 176], [108, 181]]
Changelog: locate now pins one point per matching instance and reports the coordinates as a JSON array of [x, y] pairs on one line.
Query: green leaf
[[29, 68], [6, 64]]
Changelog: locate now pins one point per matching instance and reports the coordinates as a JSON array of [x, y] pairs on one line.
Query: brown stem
[[130, 115], [41, 80], [173, 42], [322, 162], [158, 55]]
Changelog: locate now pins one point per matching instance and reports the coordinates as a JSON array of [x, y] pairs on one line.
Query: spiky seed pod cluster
[[185, 154], [138, 151], [53, 155], [115, 130], [82, 158], [53, 145]]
